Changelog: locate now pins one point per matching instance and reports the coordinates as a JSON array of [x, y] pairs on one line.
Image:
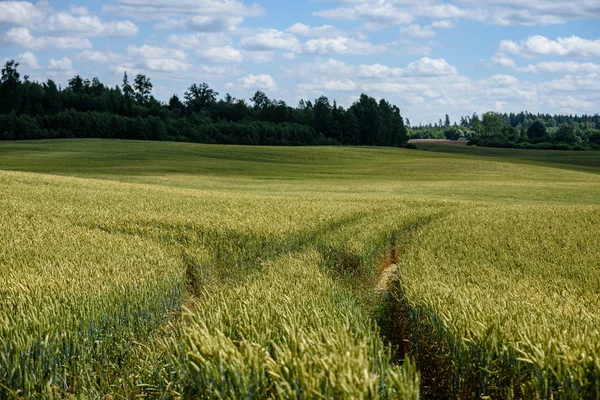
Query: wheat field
[[177, 270]]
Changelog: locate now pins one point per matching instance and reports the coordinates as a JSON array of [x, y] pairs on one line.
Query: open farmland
[[184, 270]]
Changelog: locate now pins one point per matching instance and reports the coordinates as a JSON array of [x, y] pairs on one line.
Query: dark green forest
[[88, 108], [523, 130]]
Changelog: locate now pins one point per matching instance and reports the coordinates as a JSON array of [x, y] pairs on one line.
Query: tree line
[[517, 130], [88, 108]]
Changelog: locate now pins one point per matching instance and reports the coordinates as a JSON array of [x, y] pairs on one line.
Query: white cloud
[[154, 52], [568, 67], [502, 80], [28, 60], [60, 70], [145, 58], [257, 82], [554, 67], [570, 103], [426, 86], [78, 10], [380, 13], [19, 13], [331, 68], [378, 71], [225, 54], [79, 22], [259, 57], [430, 67], [86, 26], [160, 65], [443, 24], [175, 72], [539, 12], [164, 65], [22, 37], [97, 56], [503, 61], [63, 64], [339, 85], [574, 83], [201, 23], [269, 39], [408, 47], [541, 45], [342, 84], [340, 45], [199, 40], [443, 10], [158, 9], [314, 31], [418, 31]]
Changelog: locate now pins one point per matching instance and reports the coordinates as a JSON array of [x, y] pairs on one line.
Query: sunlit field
[[132, 268]]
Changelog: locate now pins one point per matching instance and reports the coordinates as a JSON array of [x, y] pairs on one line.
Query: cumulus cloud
[[320, 68], [158, 9], [338, 85], [332, 69], [19, 13], [202, 23], [87, 26], [418, 31], [259, 57], [568, 67], [22, 37], [539, 12], [443, 24], [28, 60], [380, 13], [340, 45], [314, 31], [199, 40], [155, 52], [426, 85], [79, 10], [375, 12], [502, 80], [160, 65], [97, 56], [430, 67], [225, 54], [145, 58], [378, 71], [164, 65], [78, 22], [574, 83], [442, 10], [270, 39], [63, 64], [554, 67], [540, 45], [501, 60], [257, 82], [60, 69]]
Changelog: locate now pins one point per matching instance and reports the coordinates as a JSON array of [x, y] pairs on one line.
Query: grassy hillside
[[174, 269], [575, 160]]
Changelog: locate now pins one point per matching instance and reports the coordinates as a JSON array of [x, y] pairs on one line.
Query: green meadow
[[179, 270]]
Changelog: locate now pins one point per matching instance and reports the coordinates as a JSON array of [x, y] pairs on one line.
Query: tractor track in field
[[386, 278]]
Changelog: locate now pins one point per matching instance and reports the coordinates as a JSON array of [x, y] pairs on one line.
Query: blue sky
[[429, 57]]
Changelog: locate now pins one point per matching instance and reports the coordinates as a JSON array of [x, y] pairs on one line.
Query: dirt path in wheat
[[386, 278]]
